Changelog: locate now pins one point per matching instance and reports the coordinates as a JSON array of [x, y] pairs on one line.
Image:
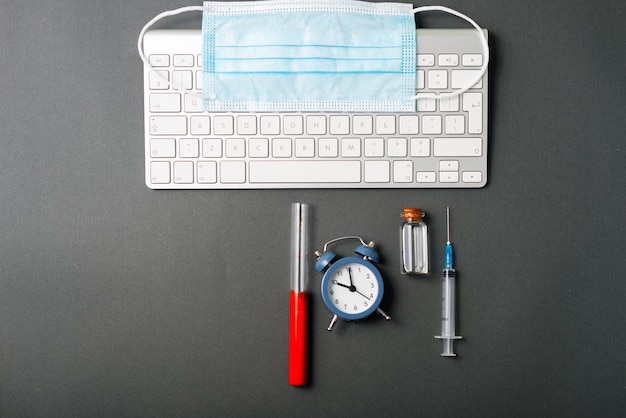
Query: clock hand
[[351, 288], [350, 276], [343, 285]]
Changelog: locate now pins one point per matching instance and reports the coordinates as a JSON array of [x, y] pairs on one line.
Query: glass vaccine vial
[[413, 242]]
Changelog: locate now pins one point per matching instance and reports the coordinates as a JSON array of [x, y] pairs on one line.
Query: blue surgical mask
[[308, 55], [301, 55]]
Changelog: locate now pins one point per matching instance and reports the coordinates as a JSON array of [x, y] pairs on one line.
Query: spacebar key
[[305, 171]]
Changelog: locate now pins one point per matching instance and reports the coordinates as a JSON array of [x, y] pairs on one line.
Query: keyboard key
[[448, 165], [200, 125], [159, 80], [455, 125], [425, 60], [328, 147], [258, 147], [397, 147], [472, 177], [316, 125], [199, 77], [246, 125], [164, 102], [193, 103], [292, 125], [281, 147], [270, 125], [431, 125], [472, 60], [223, 125], [168, 125], [339, 125], [461, 78], [159, 60], [421, 79], [448, 60], [438, 79], [350, 147], [211, 148], [448, 176], [233, 172], [420, 147], [473, 104], [449, 104], [376, 171], [305, 171], [362, 125], [182, 79], [385, 125], [305, 147], [235, 148], [207, 172], [374, 147], [457, 147], [163, 148], [188, 148], [183, 172], [425, 176], [426, 102], [183, 60], [408, 125], [403, 171], [159, 172]]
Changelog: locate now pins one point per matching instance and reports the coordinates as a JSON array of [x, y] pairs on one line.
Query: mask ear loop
[[483, 40], [142, 54]]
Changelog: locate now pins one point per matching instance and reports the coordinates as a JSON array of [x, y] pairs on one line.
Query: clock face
[[352, 288]]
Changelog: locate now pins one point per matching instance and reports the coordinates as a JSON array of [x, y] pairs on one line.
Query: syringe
[[447, 318]]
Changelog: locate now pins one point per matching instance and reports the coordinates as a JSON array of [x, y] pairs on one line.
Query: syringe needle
[[447, 319], [448, 223], [448, 261]]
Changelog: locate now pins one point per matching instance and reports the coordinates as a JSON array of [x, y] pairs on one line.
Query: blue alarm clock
[[352, 287]]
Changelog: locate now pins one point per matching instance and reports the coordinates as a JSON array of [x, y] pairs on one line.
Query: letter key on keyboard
[[443, 144]]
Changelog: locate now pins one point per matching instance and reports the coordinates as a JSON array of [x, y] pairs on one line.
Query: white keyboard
[[441, 145]]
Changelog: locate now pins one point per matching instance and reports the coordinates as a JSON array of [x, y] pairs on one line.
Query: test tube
[[298, 298]]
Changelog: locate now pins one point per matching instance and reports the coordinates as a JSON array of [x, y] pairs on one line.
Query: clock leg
[[380, 311], [332, 322]]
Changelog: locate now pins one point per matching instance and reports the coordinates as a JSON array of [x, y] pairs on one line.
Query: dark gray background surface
[[117, 300]]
